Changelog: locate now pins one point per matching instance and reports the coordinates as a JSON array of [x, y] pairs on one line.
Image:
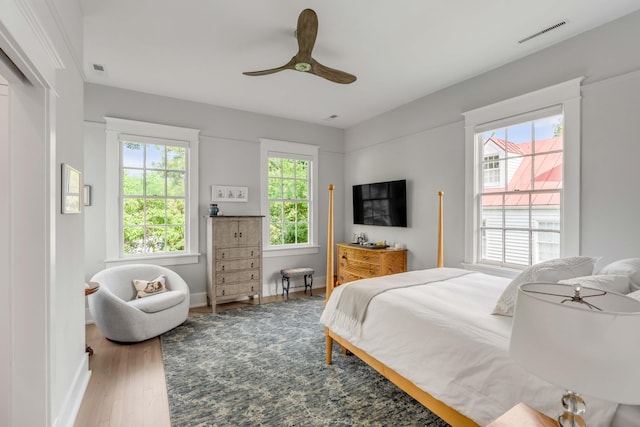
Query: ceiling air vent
[[98, 68], [546, 30]]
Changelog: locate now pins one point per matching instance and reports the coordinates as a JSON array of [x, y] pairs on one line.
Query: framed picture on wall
[[229, 193], [72, 190]]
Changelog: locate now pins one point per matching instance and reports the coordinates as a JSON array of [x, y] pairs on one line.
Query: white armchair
[[121, 317]]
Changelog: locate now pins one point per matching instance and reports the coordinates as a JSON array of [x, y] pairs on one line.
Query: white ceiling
[[399, 50]]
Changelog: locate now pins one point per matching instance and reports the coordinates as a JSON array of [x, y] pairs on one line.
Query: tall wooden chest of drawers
[[359, 262], [234, 258]]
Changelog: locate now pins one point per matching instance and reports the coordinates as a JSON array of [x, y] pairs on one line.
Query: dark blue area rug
[[265, 366]]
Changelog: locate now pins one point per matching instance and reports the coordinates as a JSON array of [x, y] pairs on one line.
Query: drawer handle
[[223, 268], [222, 255], [223, 292], [251, 265], [252, 289], [344, 256], [223, 280], [235, 234], [251, 276], [241, 234], [251, 253]]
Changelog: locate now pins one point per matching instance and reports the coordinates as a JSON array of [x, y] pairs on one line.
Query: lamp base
[[574, 407]]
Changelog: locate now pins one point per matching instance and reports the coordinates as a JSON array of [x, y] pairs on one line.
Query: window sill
[[277, 252], [164, 260], [492, 270]]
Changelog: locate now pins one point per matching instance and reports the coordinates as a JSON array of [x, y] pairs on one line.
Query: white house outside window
[[522, 184], [151, 193]]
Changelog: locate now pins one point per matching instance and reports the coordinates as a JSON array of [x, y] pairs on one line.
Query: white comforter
[[442, 337]]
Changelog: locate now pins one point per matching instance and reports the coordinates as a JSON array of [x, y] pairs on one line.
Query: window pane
[[303, 233], [516, 247], [548, 169], [155, 183], [175, 239], [275, 167], [289, 234], [519, 173], [275, 188], [302, 169], [133, 240], [176, 158], [288, 192], [275, 234], [546, 217], [133, 212], [288, 168], [491, 215], [302, 190], [548, 134], [302, 212], [175, 184], [132, 155], [520, 133], [492, 245], [175, 211], [132, 182], [155, 156], [493, 143], [516, 211], [290, 212], [155, 239], [275, 212], [156, 211]]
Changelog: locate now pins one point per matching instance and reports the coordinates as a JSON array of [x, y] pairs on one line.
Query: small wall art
[[71, 199], [229, 193]]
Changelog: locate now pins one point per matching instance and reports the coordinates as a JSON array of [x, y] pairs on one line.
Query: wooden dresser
[[234, 258], [359, 262]]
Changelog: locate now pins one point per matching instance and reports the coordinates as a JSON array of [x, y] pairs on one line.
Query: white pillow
[[605, 282], [546, 271], [629, 267]]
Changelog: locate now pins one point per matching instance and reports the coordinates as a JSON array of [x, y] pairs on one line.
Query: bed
[[437, 341]]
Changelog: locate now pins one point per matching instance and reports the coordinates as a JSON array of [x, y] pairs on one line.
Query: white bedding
[[442, 337]]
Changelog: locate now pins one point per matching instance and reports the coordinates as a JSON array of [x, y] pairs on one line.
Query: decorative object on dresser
[[359, 262], [234, 258], [582, 339]]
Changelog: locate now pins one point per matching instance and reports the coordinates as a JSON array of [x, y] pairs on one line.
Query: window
[[152, 204], [289, 201], [289, 177], [523, 155]]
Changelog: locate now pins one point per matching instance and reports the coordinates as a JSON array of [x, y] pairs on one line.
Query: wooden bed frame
[[436, 406]]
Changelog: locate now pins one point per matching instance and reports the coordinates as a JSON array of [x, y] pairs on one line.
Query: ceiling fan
[[303, 61]]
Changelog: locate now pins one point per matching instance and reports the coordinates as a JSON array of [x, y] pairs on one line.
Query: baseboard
[[71, 405], [198, 300]]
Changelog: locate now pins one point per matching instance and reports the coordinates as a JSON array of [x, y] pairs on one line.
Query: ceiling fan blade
[[287, 66], [331, 74], [306, 33]]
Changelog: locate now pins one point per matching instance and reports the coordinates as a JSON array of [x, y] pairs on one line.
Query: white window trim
[[566, 94], [288, 148], [144, 131]]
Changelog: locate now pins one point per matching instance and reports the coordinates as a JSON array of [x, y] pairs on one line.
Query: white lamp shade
[[584, 350]]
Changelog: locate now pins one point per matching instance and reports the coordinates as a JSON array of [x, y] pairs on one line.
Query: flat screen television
[[381, 203]]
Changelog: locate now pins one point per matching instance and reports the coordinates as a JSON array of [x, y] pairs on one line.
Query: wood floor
[[127, 386]]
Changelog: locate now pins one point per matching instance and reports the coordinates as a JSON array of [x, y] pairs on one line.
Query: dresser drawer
[[347, 276], [237, 276], [238, 264], [236, 253]]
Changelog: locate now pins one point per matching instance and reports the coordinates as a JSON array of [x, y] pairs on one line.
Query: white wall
[[229, 154], [423, 141], [45, 336]]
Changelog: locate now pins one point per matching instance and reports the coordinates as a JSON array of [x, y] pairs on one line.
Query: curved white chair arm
[[121, 321]]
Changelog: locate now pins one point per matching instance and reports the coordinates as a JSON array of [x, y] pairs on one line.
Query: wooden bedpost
[[329, 281], [440, 261]]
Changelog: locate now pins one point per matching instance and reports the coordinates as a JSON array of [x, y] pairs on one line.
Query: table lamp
[[584, 340]]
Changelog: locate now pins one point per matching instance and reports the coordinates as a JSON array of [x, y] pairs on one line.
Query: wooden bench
[[288, 273]]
